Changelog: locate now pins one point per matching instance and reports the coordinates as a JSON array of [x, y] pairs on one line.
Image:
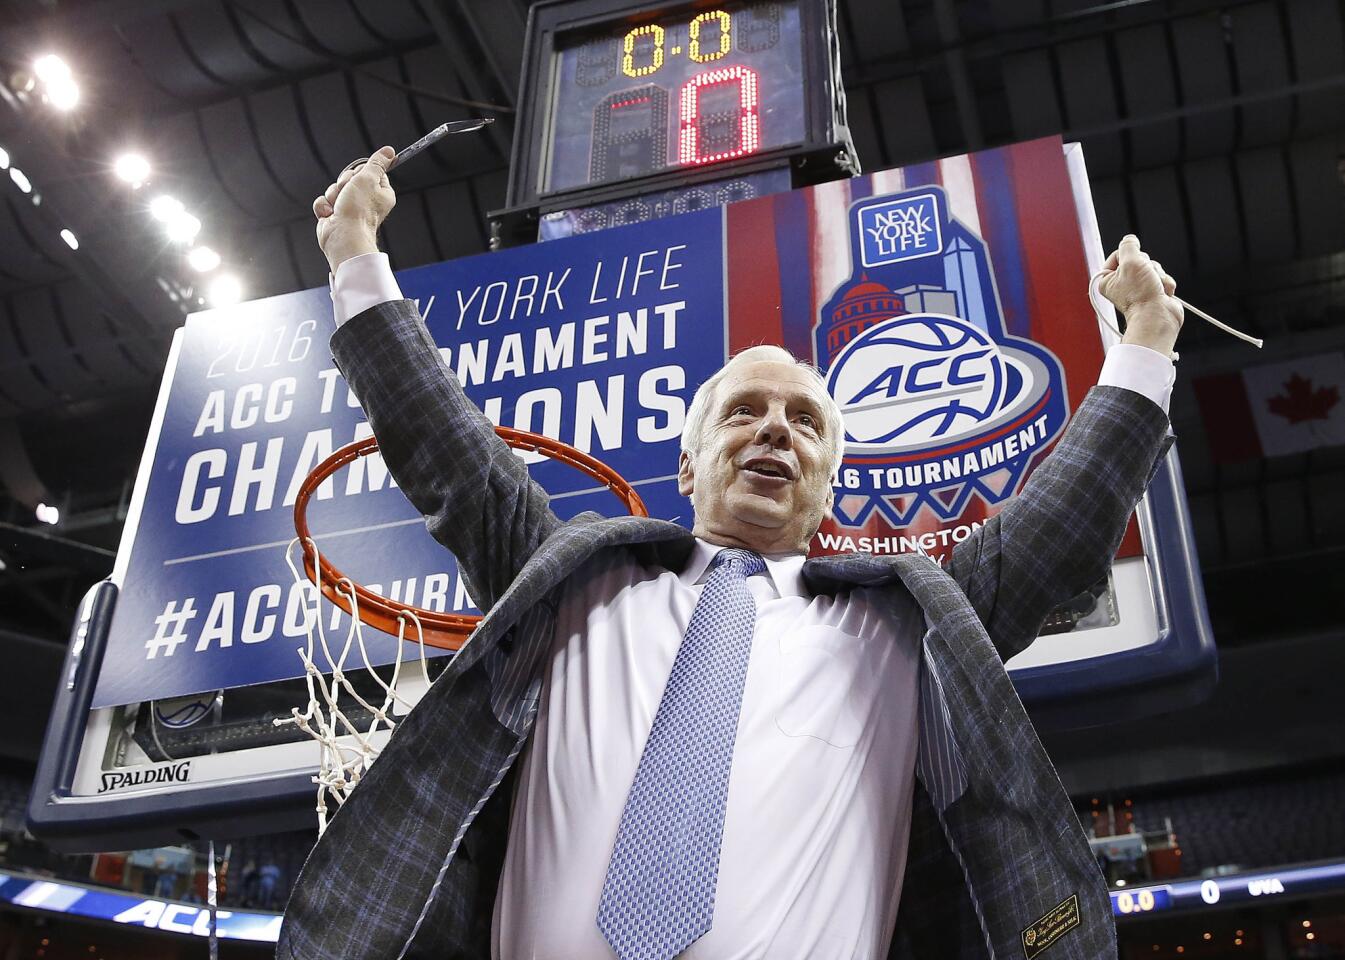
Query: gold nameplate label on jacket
[[1050, 928]]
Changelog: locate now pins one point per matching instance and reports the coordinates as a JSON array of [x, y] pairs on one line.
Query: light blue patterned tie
[[659, 896]]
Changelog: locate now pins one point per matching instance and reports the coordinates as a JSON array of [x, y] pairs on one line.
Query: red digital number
[[724, 134]]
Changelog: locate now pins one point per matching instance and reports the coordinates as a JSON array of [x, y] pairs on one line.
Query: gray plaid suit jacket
[[997, 861]]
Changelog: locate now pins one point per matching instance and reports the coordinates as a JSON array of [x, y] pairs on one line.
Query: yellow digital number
[[1146, 899], [1126, 902], [628, 66], [725, 36]]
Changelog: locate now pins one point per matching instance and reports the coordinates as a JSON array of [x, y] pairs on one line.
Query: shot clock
[[670, 103], [684, 91]]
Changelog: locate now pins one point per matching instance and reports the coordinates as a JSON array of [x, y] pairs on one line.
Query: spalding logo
[[920, 380], [179, 772]]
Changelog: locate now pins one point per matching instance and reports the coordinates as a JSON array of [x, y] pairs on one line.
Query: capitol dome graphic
[[864, 304], [856, 307]]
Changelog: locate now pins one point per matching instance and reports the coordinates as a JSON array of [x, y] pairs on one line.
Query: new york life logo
[[940, 403], [898, 230]]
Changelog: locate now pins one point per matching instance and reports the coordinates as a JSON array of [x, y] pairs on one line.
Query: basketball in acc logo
[[919, 380]]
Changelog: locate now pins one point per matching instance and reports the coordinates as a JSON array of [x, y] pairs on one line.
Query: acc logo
[[919, 380], [933, 406], [940, 403], [180, 712]]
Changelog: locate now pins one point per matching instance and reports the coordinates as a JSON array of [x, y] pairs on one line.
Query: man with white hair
[[660, 743]]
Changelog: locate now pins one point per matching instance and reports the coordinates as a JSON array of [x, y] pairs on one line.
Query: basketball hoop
[[447, 631], [349, 745]]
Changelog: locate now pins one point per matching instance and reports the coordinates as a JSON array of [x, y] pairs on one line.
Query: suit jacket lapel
[[935, 592], [560, 556]]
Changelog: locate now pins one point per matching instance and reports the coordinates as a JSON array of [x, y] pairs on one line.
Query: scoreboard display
[[688, 90], [635, 109]]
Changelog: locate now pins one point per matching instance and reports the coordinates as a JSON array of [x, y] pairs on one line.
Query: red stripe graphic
[[1227, 412], [753, 275]]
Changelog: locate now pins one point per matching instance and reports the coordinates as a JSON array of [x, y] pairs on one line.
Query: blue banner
[[99, 903], [599, 340], [34, 893], [1284, 883]]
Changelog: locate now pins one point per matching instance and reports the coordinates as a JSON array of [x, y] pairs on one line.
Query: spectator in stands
[[247, 891], [269, 884], [165, 881]]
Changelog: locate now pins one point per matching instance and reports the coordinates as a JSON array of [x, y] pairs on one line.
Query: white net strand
[[345, 751], [1104, 310]]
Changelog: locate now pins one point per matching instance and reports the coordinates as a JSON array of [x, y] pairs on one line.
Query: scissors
[[429, 140]]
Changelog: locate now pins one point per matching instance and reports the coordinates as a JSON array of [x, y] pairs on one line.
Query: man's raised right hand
[[351, 210]]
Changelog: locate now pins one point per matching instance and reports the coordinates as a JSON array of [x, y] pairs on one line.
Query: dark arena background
[[820, 172]]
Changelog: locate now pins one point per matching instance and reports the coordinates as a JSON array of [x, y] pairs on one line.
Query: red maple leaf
[[1300, 402]]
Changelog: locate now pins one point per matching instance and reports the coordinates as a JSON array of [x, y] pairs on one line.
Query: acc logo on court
[[940, 403]]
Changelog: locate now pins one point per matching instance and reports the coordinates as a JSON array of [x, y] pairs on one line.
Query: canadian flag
[[1275, 409]]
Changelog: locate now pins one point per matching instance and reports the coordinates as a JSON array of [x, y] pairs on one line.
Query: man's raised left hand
[[1143, 292]]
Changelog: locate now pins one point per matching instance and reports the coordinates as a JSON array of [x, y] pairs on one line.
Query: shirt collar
[[785, 570]]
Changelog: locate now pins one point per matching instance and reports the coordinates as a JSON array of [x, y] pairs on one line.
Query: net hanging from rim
[[350, 704]]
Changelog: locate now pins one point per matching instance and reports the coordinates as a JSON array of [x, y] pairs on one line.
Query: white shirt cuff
[[1132, 367], [360, 283]]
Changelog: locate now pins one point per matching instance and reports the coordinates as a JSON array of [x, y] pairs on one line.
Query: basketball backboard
[[953, 293]]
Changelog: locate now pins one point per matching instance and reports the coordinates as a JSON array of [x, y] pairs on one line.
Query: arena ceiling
[[1215, 130]]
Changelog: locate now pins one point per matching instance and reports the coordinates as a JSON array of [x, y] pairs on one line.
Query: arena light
[[20, 180], [132, 168], [182, 228], [60, 88], [48, 514], [63, 95], [203, 259], [4, 159], [225, 291], [164, 208], [70, 239], [51, 68]]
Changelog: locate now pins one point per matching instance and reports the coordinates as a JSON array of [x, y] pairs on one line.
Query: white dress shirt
[[819, 798], [819, 801]]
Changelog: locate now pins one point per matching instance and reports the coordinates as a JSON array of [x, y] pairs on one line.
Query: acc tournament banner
[[599, 341], [946, 304]]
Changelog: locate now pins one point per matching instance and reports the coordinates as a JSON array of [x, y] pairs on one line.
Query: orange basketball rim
[[448, 631]]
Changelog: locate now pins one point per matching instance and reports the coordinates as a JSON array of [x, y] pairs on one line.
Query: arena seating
[[13, 801], [285, 850], [1289, 819]]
